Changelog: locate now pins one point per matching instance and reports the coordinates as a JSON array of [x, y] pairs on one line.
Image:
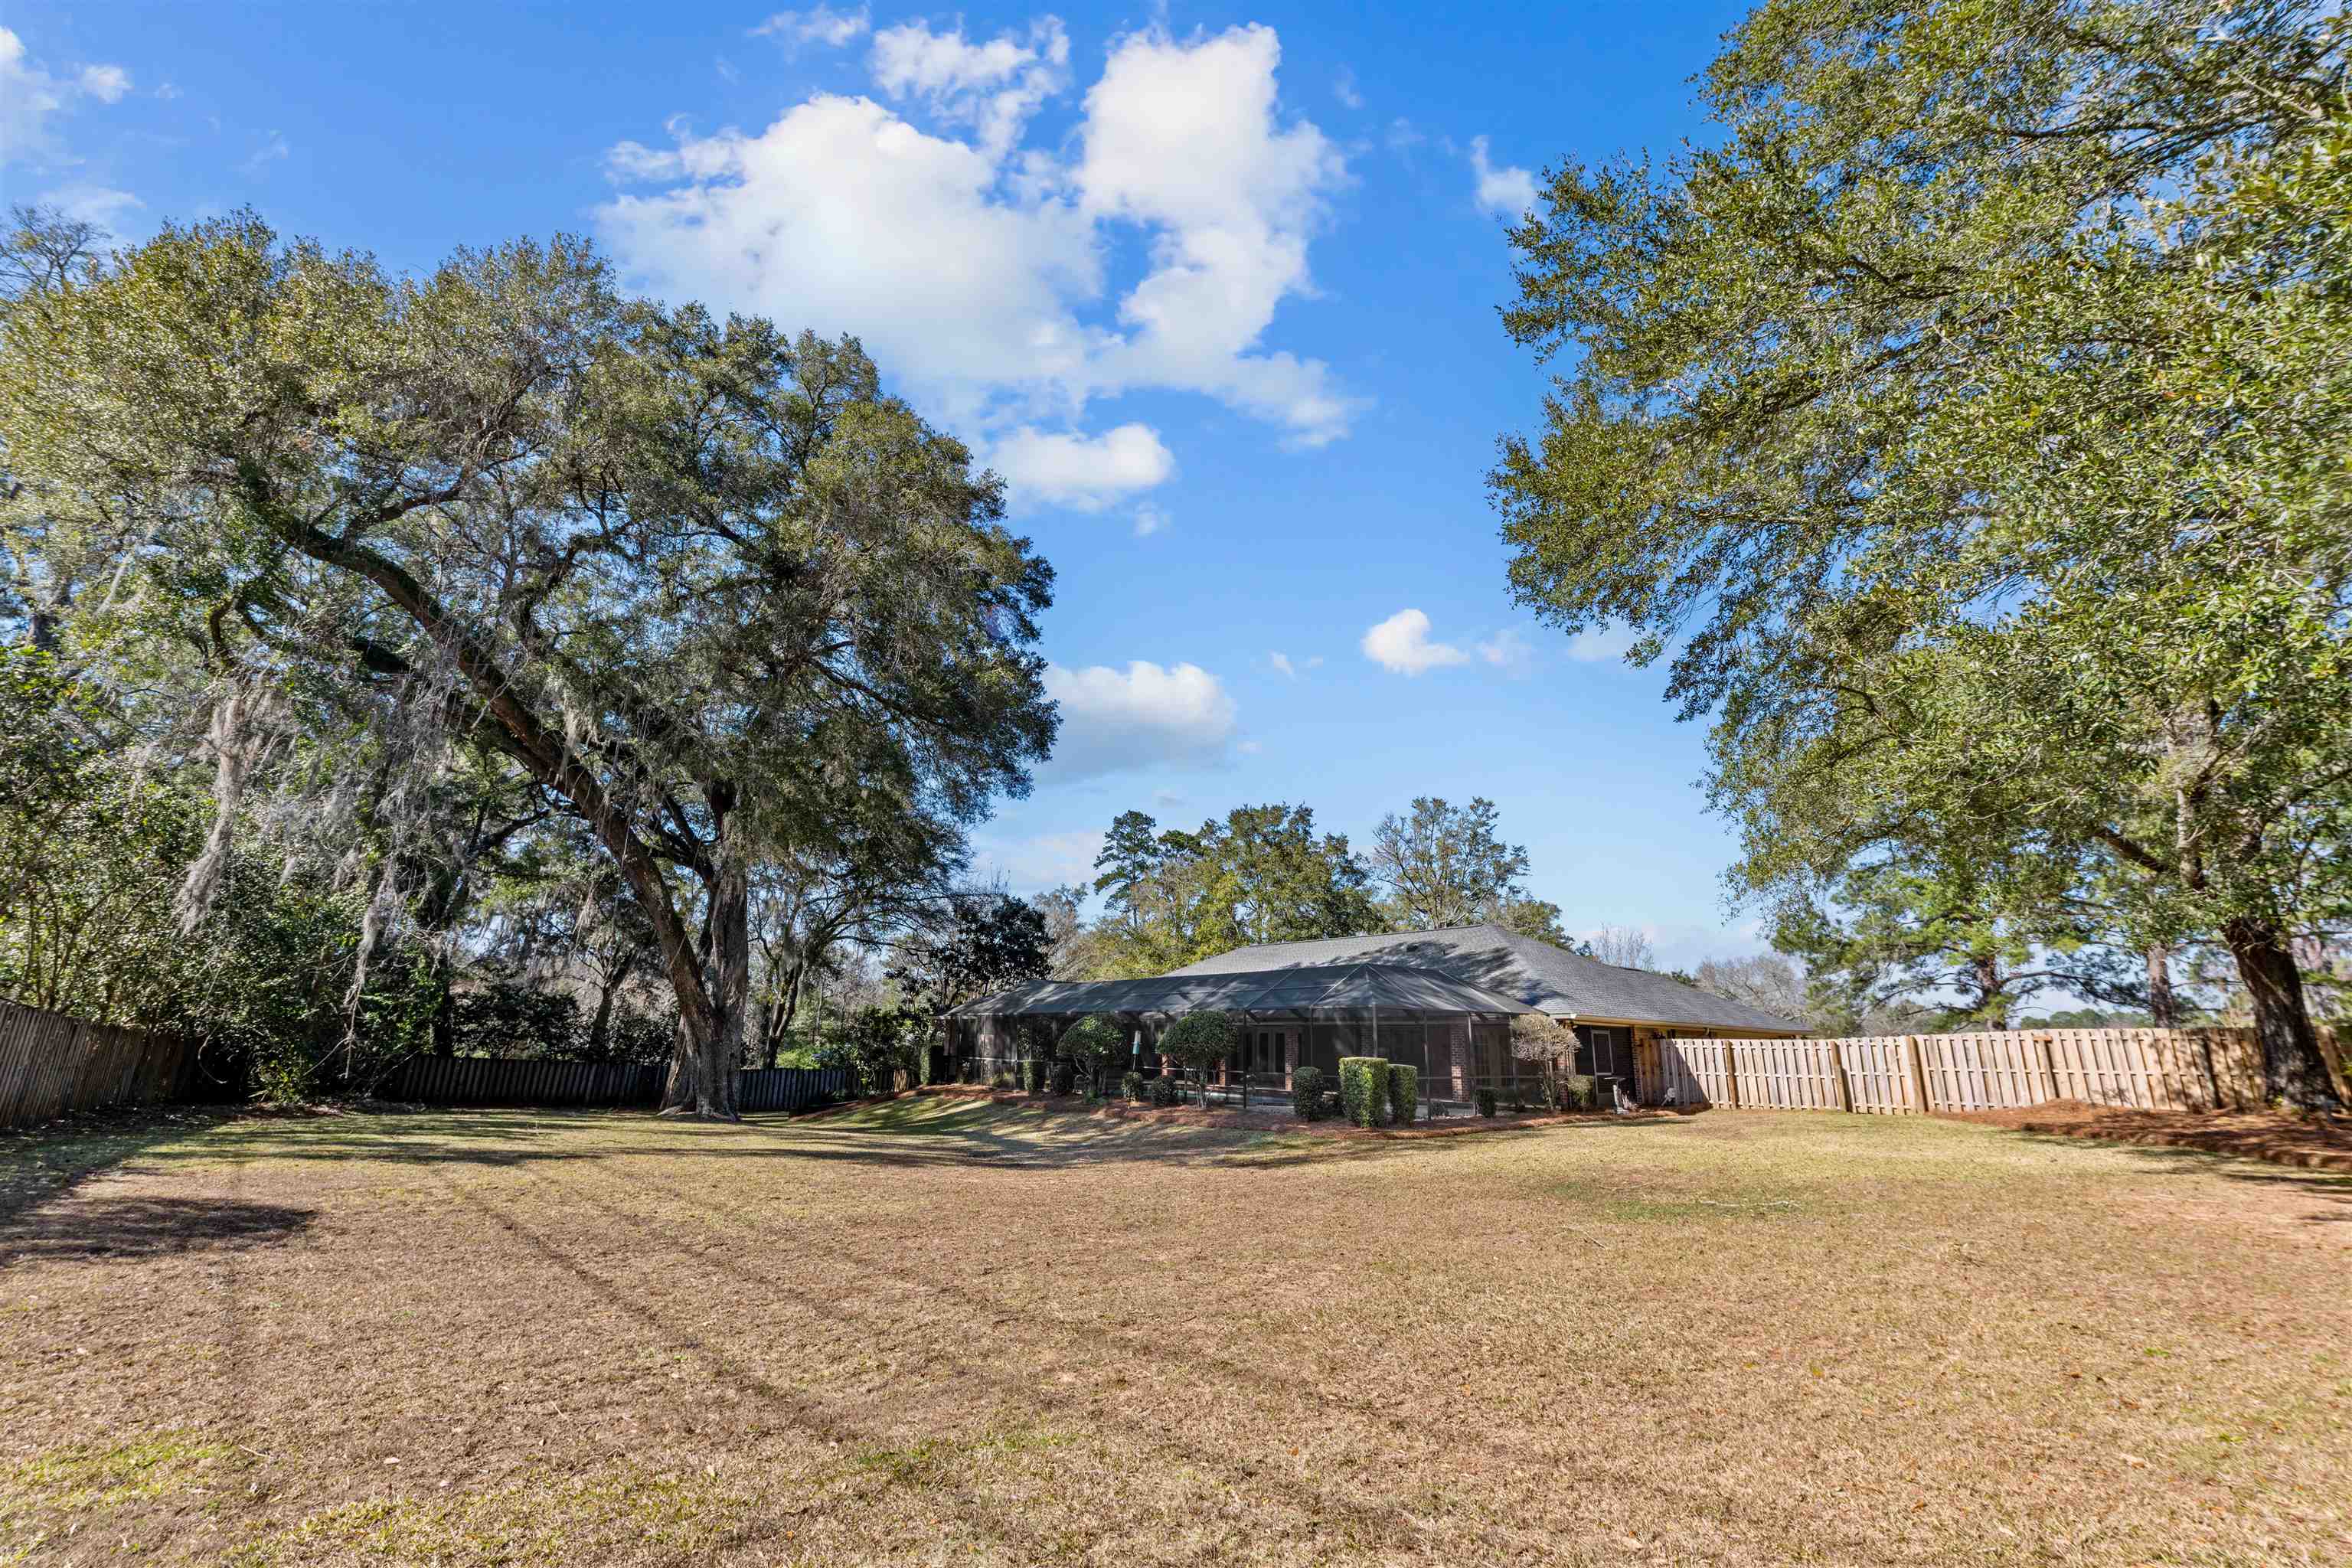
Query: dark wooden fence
[[500, 1080], [50, 1063]]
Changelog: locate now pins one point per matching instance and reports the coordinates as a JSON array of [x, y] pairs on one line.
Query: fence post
[[1731, 1074], [2048, 1064], [1837, 1068], [1918, 1072]]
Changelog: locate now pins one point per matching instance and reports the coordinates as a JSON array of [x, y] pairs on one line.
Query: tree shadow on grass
[[2331, 1190], [40, 1164], [142, 1227]]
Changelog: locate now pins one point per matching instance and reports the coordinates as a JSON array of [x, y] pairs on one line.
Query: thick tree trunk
[[709, 1051], [2163, 1006], [601, 1029], [2293, 1068], [1993, 1009]]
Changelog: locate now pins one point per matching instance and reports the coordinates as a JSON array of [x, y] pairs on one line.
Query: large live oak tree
[[699, 580], [1969, 418]]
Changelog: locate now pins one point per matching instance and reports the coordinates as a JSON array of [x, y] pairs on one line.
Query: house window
[[1604, 1051]]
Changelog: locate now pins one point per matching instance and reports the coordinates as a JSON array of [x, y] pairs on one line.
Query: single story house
[[1441, 999]]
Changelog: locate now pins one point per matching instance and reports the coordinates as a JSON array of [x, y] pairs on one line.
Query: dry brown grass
[[937, 1331]]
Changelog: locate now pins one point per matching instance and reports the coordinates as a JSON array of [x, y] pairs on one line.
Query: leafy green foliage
[[1164, 1090], [1130, 1084], [1363, 1090], [1485, 1101], [700, 583], [1200, 1040], [1403, 1093], [1260, 874], [1963, 412], [1579, 1091], [1442, 865], [968, 946], [1306, 1093], [1095, 1042]]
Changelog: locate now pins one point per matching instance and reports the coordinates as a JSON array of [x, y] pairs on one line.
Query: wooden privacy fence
[[50, 1063], [503, 1081], [2149, 1069]]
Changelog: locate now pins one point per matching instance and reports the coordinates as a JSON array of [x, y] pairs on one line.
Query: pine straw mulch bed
[[2314, 1143], [958, 1329]]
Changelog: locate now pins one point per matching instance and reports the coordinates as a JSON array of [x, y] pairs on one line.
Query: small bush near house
[[1003, 1080], [1130, 1084], [1404, 1093], [1033, 1077], [1486, 1102], [1306, 1093], [1064, 1076], [1363, 1089], [1166, 1090], [1579, 1091]]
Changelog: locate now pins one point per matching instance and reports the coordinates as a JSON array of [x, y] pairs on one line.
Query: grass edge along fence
[[51, 1064], [1909, 1075]]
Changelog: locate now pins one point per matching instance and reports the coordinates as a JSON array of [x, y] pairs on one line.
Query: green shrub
[[1003, 1079], [1064, 1076], [1363, 1090], [1130, 1084], [1579, 1091], [1486, 1102], [1199, 1040], [1033, 1077], [1166, 1090], [1404, 1093], [1306, 1093]]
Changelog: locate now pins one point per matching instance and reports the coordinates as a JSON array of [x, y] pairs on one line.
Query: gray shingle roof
[[1549, 978], [1294, 988]]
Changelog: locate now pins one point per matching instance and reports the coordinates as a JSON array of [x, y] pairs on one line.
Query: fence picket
[[2148, 1069]]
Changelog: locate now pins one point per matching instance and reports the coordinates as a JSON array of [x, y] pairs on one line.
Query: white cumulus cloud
[[823, 25], [1509, 651], [1504, 190], [1086, 472], [1148, 520], [974, 264], [1598, 645], [1144, 716], [1402, 644], [1041, 860], [30, 96]]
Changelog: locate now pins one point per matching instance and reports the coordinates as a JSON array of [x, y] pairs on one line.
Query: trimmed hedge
[[1363, 1090], [1486, 1102], [1064, 1076], [1404, 1093], [1306, 1093], [1580, 1091], [1033, 1077], [1130, 1084], [1166, 1090]]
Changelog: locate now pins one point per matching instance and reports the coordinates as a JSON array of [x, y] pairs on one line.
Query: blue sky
[[1213, 287]]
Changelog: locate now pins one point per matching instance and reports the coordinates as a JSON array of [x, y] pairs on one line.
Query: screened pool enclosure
[[1455, 1035]]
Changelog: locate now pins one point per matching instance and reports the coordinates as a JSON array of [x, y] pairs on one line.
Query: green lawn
[[948, 1331]]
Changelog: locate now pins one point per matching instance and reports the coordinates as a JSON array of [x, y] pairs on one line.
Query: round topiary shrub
[[1064, 1076], [1486, 1102], [1130, 1084], [1166, 1090], [1306, 1093]]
